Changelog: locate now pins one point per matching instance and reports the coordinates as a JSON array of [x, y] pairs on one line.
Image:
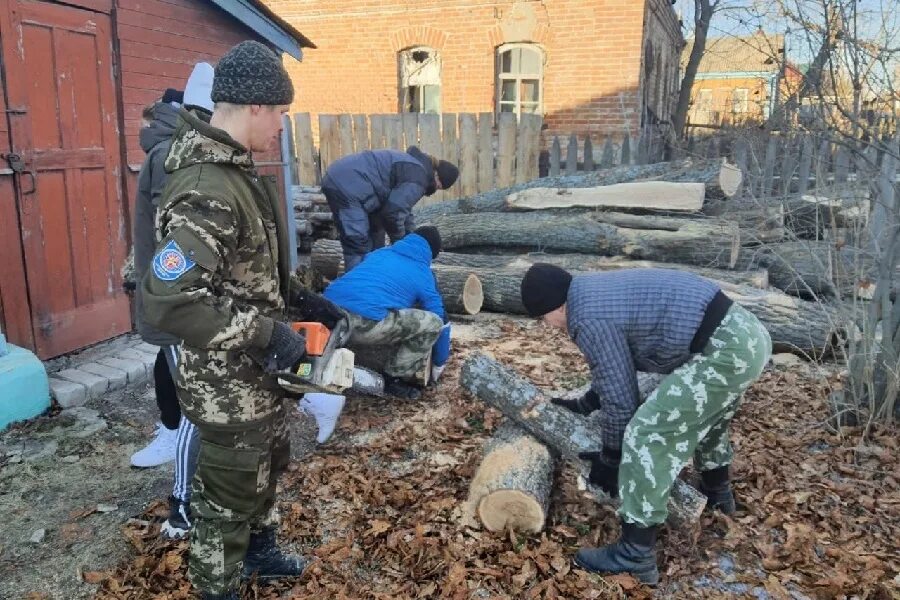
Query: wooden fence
[[489, 155]]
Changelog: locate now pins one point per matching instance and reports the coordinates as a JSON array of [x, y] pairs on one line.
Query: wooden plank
[[657, 195], [410, 130], [329, 140], [608, 158], [430, 131], [376, 126], [506, 153], [345, 133], [450, 151], [394, 132], [361, 132], [306, 150], [625, 158], [588, 154], [841, 164], [289, 150], [485, 152], [528, 141], [555, 152], [468, 155], [788, 165], [572, 155], [768, 179], [804, 169]]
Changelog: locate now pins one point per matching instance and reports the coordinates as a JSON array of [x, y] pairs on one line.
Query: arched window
[[420, 80], [520, 79]]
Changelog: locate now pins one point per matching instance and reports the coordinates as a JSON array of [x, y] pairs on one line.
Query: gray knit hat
[[250, 73]]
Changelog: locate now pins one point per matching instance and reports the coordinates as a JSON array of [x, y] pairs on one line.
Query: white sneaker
[[158, 452], [326, 408]]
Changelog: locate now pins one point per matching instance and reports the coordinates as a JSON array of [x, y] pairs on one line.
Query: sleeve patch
[[170, 263]]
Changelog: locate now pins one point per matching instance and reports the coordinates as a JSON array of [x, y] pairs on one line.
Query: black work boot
[[232, 595], [716, 486], [634, 553], [266, 561], [394, 386]]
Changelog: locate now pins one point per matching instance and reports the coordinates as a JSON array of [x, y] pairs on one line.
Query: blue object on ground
[[24, 388]]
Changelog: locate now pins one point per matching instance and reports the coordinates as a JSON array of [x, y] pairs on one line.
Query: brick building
[[589, 66], [740, 79]]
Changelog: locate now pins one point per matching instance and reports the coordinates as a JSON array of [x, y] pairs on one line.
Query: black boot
[[394, 386], [634, 553], [266, 561], [716, 486], [232, 595]]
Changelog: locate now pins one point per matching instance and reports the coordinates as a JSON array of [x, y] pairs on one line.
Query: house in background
[[740, 79], [75, 78], [595, 67]]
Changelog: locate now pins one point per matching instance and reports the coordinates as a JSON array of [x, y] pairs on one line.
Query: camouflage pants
[[234, 495], [410, 333], [688, 416]]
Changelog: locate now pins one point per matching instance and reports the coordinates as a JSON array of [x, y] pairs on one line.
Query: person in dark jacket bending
[[659, 321], [372, 193]]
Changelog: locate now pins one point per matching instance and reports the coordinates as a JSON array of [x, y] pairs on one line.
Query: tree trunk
[[703, 13], [758, 224], [688, 241], [801, 269], [461, 291], [716, 175], [645, 195], [512, 485], [563, 431]]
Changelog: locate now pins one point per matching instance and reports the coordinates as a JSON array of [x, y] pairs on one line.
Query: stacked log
[[312, 216]]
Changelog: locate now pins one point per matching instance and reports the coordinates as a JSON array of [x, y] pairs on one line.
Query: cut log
[[563, 431], [650, 195], [326, 258], [721, 180], [511, 488], [801, 268], [689, 241], [759, 224], [461, 291]]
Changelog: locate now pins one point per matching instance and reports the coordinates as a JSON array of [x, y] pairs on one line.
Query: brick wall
[[593, 54]]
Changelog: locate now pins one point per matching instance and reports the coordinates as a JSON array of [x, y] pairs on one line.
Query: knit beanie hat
[[545, 288], [250, 73], [447, 173], [199, 86], [173, 96], [432, 236]]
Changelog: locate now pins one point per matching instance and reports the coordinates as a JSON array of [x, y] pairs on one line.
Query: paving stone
[[68, 393], [135, 369], [146, 359], [96, 385], [117, 378], [148, 348]]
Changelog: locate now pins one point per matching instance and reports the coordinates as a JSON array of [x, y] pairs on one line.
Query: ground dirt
[[379, 505]]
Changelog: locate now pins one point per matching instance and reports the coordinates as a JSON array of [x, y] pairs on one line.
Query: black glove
[[286, 348], [581, 406], [604, 469], [313, 307]]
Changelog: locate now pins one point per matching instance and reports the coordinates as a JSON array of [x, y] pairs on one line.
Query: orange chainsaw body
[[317, 336]]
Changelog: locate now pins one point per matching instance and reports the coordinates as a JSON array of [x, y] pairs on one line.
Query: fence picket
[[803, 169], [345, 127], [376, 126], [410, 130], [608, 158], [572, 155], [588, 154], [626, 151], [485, 152], [305, 150], [450, 151], [329, 140], [468, 155], [555, 152], [506, 152], [361, 132]]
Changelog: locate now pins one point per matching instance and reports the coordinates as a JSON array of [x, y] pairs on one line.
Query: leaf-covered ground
[[379, 505]]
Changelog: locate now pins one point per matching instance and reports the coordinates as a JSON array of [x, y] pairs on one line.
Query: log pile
[[312, 216]]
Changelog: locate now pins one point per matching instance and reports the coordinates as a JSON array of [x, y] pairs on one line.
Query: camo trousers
[[409, 333], [688, 416], [234, 495]]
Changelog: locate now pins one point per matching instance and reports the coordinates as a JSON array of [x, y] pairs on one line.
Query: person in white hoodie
[[176, 437]]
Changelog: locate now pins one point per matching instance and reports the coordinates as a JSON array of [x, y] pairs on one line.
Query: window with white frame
[[420, 80], [520, 79], [740, 101], [704, 106]]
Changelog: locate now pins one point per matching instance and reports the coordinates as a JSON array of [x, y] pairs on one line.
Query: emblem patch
[[170, 263]]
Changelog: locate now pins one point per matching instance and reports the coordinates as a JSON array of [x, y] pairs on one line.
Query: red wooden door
[[60, 88]]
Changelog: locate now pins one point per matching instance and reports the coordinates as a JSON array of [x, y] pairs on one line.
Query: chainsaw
[[328, 366]]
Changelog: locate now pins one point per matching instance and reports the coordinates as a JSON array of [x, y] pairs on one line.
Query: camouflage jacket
[[216, 280]]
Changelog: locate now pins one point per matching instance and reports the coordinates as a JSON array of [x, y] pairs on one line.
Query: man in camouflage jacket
[[220, 280]]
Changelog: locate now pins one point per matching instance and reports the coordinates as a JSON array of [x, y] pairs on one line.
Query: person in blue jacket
[[393, 300], [373, 192]]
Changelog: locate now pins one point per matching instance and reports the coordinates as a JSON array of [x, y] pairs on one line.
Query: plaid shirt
[[630, 320]]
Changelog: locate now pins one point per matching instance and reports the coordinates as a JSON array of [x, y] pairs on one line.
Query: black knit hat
[[447, 173], [250, 73], [173, 95], [432, 236], [545, 288]]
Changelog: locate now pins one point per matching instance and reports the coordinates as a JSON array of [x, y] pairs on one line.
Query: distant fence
[[488, 156]]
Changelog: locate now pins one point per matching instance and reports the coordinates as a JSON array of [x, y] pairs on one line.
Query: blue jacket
[[394, 278], [376, 188]]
